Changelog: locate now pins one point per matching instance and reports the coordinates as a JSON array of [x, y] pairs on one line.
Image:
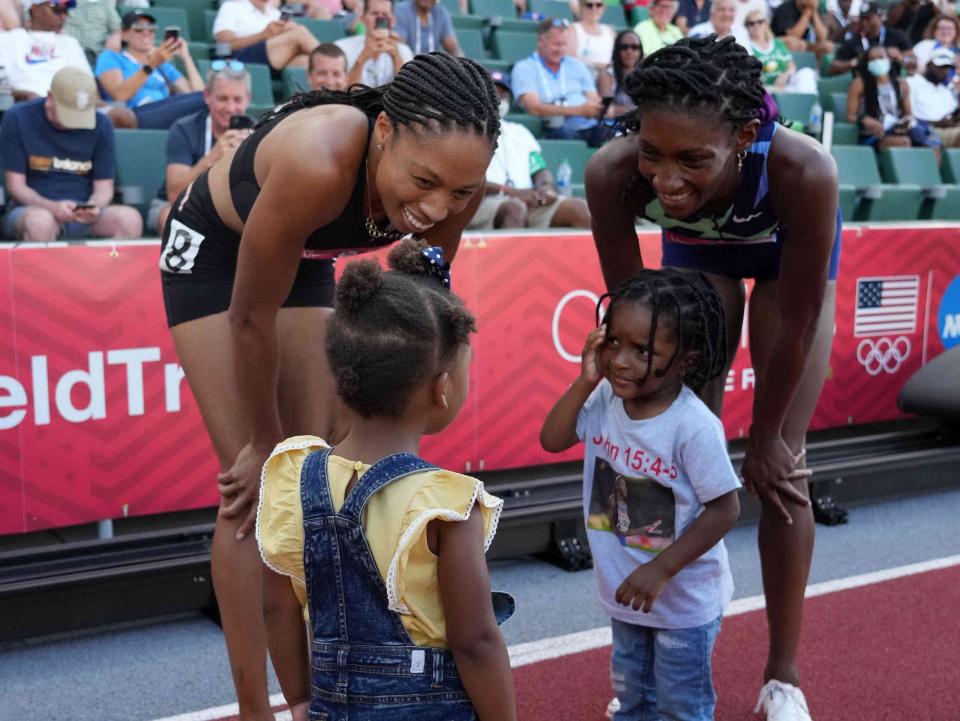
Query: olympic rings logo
[[883, 355]]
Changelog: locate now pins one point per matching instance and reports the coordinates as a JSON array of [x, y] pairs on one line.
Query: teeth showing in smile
[[674, 198], [408, 216]]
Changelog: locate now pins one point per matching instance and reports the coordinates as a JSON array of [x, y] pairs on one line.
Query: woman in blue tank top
[[738, 196]]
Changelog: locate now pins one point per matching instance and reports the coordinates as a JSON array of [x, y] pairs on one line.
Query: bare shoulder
[[797, 160], [614, 165]]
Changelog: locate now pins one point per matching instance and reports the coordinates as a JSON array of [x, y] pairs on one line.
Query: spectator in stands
[[842, 20], [590, 40], [33, 56], [912, 17], [691, 13], [721, 23], [200, 139], [10, 14], [256, 34], [627, 55], [658, 30], [799, 24], [778, 71], [932, 100], [96, 25], [330, 9], [375, 57], [520, 192], [871, 33], [143, 78], [327, 68], [942, 32], [556, 87], [425, 26], [878, 100], [57, 155], [745, 7]]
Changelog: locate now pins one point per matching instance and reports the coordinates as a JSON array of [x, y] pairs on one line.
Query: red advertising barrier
[[96, 421]]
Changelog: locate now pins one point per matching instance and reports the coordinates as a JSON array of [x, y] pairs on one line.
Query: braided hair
[[697, 74], [694, 308], [435, 90], [392, 331]]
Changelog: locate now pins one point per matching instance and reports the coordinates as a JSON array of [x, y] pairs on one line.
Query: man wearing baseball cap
[[520, 192], [57, 155], [931, 99], [873, 32]]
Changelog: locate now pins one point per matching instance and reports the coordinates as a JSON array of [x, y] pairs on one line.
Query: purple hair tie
[[769, 110]]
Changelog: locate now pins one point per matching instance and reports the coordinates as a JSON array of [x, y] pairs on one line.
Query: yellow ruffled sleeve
[[412, 575], [279, 526]]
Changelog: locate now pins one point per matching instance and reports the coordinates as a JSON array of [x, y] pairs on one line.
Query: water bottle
[[815, 124], [564, 173], [6, 90]]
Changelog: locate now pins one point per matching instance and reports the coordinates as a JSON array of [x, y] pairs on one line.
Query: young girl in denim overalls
[[384, 551]]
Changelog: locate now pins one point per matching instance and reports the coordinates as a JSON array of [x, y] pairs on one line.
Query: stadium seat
[[827, 86], [838, 103], [512, 46], [294, 81], [575, 152], [493, 8], [259, 79], [208, 17], [166, 17], [471, 42], [845, 133], [496, 65], [918, 166], [950, 165], [530, 122], [194, 10], [453, 7], [551, 8], [326, 31], [467, 22], [518, 26], [805, 59], [141, 164], [796, 106], [875, 200]]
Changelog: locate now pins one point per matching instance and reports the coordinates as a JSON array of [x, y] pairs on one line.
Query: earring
[[740, 156], [443, 401], [379, 147]]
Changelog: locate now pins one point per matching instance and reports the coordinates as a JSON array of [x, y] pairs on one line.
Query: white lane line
[[522, 654]]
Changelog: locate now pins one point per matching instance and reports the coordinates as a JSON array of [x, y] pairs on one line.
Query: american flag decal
[[886, 305]]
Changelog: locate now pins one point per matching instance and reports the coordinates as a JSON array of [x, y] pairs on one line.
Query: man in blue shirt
[[200, 139], [425, 26], [57, 156], [557, 87]]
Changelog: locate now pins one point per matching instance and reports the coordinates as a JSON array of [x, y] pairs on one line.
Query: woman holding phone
[[247, 269], [143, 78]]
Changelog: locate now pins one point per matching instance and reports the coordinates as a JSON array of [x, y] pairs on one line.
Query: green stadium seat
[[827, 86], [838, 103], [847, 202], [845, 133], [518, 26], [255, 111], [493, 8], [471, 42], [326, 31], [875, 200], [259, 80], [950, 165], [805, 59], [530, 122], [551, 8], [141, 165], [796, 106], [467, 22], [453, 7], [194, 10], [199, 50], [208, 17], [574, 152], [918, 166], [166, 17], [496, 65], [512, 46], [294, 81], [579, 190]]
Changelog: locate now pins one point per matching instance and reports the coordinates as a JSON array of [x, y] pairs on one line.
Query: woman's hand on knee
[[239, 487], [769, 468]]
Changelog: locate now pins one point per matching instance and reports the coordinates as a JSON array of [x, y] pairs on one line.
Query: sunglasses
[[559, 23], [57, 9], [751, 23], [221, 65], [629, 46], [593, 6], [144, 28]]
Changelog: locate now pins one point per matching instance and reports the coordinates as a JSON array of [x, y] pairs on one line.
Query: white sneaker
[[612, 708], [782, 702]]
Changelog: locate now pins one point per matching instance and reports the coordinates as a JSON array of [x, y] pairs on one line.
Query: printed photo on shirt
[[639, 511]]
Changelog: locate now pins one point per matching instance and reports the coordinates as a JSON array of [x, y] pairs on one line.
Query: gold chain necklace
[[373, 230]]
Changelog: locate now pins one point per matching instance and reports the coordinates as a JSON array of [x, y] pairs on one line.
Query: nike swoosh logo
[[738, 219]]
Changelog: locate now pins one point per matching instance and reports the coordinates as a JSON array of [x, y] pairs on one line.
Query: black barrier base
[[826, 511], [568, 546]]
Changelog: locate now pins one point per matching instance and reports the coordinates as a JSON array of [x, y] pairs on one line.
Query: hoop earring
[[740, 156], [379, 147]]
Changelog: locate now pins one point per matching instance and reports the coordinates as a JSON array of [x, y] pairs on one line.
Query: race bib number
[[181, 249]]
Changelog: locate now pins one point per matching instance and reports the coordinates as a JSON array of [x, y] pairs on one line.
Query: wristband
[[148, 69]]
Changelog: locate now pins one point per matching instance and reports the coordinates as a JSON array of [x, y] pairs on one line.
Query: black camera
[[241, 122]]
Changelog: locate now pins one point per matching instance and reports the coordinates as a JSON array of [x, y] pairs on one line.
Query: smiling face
[[945, 32], [756, 25], [424, 176], [141, 37], [663, 12], [689, 159], [722, 15], [628, 51]]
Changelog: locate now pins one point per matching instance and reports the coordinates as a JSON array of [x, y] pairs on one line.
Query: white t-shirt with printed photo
[[645, 482], [32, 58]]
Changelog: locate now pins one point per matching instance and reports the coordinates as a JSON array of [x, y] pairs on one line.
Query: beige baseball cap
[[74, 93]]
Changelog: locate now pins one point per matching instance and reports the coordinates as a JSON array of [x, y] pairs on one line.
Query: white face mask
[[504, 107]]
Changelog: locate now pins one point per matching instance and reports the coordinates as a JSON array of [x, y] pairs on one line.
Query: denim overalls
[[364, 665]]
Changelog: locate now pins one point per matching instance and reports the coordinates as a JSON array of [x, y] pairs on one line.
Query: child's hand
[[642, 587], [590, 371]]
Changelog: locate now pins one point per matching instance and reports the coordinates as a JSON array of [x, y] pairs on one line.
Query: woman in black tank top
[[247, 274]]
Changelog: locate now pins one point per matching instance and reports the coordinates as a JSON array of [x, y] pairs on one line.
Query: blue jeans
[[663, 673], [161, 114]]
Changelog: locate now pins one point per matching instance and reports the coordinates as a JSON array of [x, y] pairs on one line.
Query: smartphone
[[285, 15], [85, 206], [241, 122], [382, 26], [171, 33]]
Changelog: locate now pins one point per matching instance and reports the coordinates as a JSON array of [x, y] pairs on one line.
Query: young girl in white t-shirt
[[659, 490]]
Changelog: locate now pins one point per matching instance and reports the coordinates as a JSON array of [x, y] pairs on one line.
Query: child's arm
[[642, 587], [559, 430], [472, 634], [287, 640]]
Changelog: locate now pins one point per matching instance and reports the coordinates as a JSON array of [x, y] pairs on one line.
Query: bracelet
[[147, 69]]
